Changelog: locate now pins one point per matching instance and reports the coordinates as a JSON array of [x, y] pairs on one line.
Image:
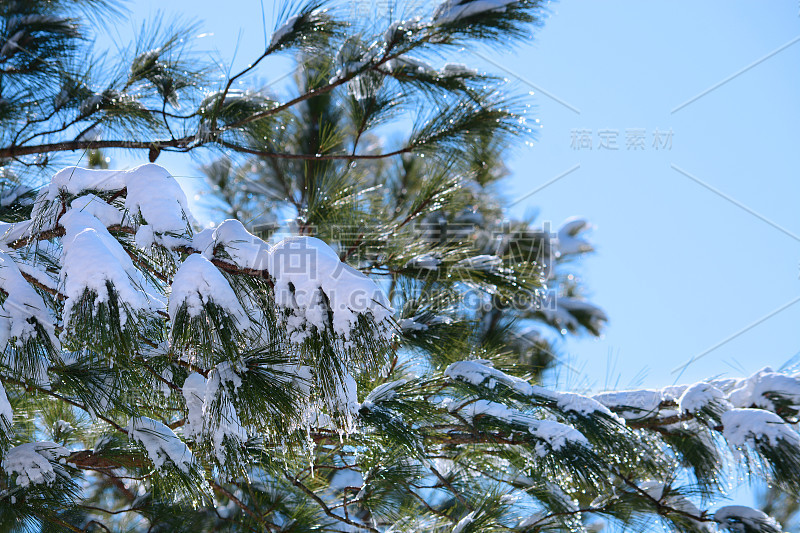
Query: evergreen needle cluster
[[379, 362]]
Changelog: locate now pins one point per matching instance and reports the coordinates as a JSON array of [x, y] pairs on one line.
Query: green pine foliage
[[195, 382]]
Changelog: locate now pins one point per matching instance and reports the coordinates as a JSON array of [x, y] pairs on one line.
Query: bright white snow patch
[[155, 195], [74, 180], [197, 283], [202, 396], [345, 401], [306, 273], [738, 518], [754, 391], [477, 372], [97, 207], [383, 393], [632, 404], [229, 429], [194, 391], [152, 194], [243, 248], [577, 403], [743, 426], [555, 434], [22, 304], [221, 380], [91, 257], [160, 443], [699, 396], [305, 269], [481, 373], [33, 462], [6, 414], [145, 237]]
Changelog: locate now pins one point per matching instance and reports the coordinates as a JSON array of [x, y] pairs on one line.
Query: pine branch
[[62, 398], [185, 144], [315, 157], [322, 505], [274, 377], [662, 508], [221, 490]]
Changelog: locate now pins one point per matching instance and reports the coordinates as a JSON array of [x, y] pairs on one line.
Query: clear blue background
[[678, 268]]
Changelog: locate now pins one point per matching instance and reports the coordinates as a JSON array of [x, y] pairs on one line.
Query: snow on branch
[[316, 291], [153, 200], [199, 283], [771, 391], [127, 239], [110, 265], [194, 392], [92, 259], [23, 309], [311, 285], [751, 414], [456, 10], [35, 463], [310, 280], [570, 240], [232, 242], [756, 415], [737, 518], [6, 413], [744, 426], [220, 417], [481, 373], [554, 434], [160, 443]]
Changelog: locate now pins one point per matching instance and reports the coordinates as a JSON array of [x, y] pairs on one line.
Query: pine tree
[[373, 371]]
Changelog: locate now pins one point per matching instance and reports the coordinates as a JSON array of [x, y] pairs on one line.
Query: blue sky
[[679, 268], [698, 240]]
